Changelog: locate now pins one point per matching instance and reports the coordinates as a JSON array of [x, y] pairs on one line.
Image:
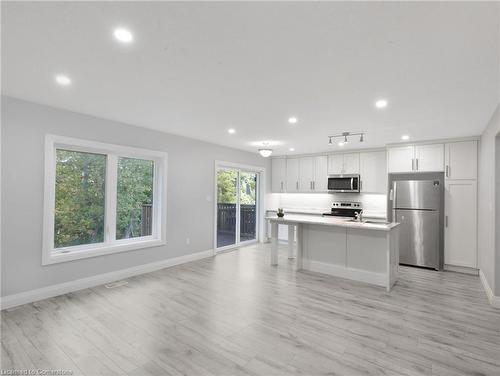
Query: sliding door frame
[[260, 203]]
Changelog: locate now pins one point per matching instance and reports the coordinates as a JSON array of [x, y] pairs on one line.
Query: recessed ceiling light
[[292, 120], [63, 80], [231, 131], [292, 149], [340, 144], [405, 137], [381, 103], [123, 35]]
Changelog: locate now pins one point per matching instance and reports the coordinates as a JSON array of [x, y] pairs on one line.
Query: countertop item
[[332, 221]]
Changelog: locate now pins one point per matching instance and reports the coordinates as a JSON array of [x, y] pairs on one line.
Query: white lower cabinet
[[460, 233]]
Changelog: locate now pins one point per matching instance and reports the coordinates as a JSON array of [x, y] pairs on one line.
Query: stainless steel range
[[345, 209]]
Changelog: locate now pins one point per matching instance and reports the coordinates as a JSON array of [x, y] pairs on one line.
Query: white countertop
[[331, 221], [366, 213]]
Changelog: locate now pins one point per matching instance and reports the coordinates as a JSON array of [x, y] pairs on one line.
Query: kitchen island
[[366, 251]]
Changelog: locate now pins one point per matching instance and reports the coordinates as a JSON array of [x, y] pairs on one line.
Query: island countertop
[[332, 221]]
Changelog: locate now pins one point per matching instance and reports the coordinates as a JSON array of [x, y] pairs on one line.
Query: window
[[101, 199], [134, 198], [80, 191]]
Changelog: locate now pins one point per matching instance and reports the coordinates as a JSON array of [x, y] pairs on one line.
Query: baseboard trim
[[14, 300], [379, 279], [492, 298], [461, 269]]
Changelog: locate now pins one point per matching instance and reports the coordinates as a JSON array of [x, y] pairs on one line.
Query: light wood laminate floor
[[236, 315]]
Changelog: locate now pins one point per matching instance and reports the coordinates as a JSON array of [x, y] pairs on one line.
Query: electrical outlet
[[188, 241]]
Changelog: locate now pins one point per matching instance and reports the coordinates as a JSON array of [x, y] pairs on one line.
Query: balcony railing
[[226, 221]]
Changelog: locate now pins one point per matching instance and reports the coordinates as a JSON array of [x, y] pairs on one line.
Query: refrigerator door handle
[[446, 221]]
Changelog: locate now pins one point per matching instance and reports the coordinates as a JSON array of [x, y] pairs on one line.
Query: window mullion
[[111, 194]]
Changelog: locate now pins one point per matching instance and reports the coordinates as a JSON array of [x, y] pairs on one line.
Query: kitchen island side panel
[[326, 244]]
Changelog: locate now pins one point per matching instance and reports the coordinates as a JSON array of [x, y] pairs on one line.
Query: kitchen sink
[[375, 222], [372, 222]]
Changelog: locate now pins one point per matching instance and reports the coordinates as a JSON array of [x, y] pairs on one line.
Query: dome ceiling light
[[265, 151]]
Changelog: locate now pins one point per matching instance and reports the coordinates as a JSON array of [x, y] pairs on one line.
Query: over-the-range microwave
[[343, 183]]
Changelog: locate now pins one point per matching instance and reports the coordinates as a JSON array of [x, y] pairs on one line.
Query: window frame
[[110, 245]]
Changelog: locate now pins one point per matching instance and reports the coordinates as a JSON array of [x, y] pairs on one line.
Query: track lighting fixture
[[344, 137]]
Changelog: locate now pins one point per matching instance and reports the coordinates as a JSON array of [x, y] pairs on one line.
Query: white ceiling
[[197, 69]]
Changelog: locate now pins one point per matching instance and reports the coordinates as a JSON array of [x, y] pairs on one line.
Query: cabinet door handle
[[282, 186], [314, 185], [446, 221], [413, 164], [447, 171], [297, 185], [360, 185], [416, 160]]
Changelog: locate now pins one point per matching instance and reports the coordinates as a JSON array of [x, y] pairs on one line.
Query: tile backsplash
[[373, 204]]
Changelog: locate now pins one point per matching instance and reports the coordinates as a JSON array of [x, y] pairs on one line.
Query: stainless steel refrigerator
[[417, 206]]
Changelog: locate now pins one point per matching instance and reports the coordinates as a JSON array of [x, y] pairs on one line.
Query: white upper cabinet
[[306, 174], [373, 171], [461, 160], [300, 174], [278, 175], [292, 175], [429, 158], [320, 183], [335, 164], [343, 164], [416, 158], [401, 159], [460, 238], [351, 163]]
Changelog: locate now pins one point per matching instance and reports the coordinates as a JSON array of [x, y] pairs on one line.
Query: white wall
[[488, 220], [190, 181], [497, 214]]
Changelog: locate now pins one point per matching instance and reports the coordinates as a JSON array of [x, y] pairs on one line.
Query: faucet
[[358, 216]]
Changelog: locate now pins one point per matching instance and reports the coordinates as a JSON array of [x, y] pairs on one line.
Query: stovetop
[[344, 209]]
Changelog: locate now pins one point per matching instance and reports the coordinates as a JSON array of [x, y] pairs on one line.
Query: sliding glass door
[[248, 206], [227, 198], [236, 211]]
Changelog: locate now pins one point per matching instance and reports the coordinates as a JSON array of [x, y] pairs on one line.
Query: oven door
[[343, 183]]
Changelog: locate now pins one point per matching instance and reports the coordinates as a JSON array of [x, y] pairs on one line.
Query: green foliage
[[226, 187], [247, 188], [80, 197], [134, 189], [80, 190]]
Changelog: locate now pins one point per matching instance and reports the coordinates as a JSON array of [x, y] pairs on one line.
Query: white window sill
[[80, 252]]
